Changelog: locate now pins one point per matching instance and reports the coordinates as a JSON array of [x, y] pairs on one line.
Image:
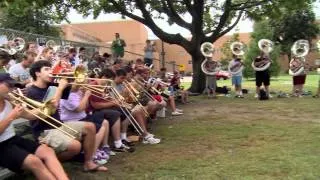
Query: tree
[[29, 17], [210, 19], [300, 24], [262, 30]]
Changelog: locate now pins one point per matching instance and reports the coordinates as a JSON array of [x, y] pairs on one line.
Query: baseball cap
[[5, 77]]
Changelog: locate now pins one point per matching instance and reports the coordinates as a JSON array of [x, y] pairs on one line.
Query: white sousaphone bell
[[14, 46], [237, 49], [208, 66], [299, 50], [266, 46]]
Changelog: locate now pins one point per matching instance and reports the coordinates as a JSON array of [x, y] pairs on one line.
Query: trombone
[[131, 93], [39, 107]]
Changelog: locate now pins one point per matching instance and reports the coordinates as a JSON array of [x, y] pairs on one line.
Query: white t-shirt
[[9, 132], [233, 63], [20, 72]]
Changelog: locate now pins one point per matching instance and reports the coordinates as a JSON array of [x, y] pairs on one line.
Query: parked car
[[223, 75]]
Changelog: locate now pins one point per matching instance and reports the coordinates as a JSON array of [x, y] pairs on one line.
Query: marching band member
[[17, 153], [4, 60], [20, 71], [73, 109], [262, 76], [60, 142], [237, 78], [110, 108], [62, 65], [175, 84], [143, 75], [299, 80], [137, 111], [47, 54]]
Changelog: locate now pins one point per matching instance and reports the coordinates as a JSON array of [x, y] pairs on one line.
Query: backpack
[[263, 95]]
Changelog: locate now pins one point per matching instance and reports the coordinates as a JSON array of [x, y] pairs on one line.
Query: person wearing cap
[[20, 71], [117, 46], [18, 153]]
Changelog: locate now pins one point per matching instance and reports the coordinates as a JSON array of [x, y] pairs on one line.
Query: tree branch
[[223, 19], [222, 33], [188, 5], [172, 14], [246, 5]]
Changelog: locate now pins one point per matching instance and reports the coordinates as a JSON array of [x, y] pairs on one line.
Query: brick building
[[135, 34]]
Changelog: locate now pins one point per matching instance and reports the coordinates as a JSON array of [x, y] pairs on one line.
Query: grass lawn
[[228, 138], [283, 83]]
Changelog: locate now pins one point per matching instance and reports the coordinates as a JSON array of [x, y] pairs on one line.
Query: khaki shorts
[[58, 140]]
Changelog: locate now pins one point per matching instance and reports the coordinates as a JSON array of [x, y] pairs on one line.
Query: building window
[[190, 62]]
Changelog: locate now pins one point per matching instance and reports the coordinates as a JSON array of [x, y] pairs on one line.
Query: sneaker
[[102, 154], [176, 113], [127, 143], [150, 140], [99, 160], [179, 110], [108, 151], [256, 96], [124, 148], [270, 96]]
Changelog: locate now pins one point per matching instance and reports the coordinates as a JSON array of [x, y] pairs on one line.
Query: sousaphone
[[237, 49], [14, 46], [299, 50], [209, 66], [266, 46]]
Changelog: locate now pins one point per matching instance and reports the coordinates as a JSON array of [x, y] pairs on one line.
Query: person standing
[[148, 53], [237, 77], [118, 46]]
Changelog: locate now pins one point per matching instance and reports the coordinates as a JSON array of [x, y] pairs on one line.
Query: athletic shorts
[[105, 114], [262, 77], [58, 140], [95, 118], [299, 80], [14, 151], [148, 61], [236, 80]]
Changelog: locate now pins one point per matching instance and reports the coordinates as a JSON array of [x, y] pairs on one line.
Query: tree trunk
[[198, 77]]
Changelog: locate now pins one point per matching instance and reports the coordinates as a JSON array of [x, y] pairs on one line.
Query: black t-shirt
[[36, 93]]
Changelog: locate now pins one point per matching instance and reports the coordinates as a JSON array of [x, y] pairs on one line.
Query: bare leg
[[48, 156], [102, 135], [105, 140], [73, 149], [89, 148], [267, 90], [138, 115], [35, 165], [172, 103], [115, 129]]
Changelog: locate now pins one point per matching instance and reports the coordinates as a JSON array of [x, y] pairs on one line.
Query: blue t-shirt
[[36, 93]]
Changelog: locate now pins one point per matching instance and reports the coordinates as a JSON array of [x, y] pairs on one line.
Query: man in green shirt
[[118, 46]]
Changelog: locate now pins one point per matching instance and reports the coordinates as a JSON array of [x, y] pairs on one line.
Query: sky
[[243, 26]]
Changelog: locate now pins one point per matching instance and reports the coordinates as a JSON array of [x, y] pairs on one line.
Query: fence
[[10, 34]]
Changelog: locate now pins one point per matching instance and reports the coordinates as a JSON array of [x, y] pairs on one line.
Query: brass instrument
[[266, 46], [209, 66], [14, 46], [237, 49], [299, 50], [43, 109], [135, 99]]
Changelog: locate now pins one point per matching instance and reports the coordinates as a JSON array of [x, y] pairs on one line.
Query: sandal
[[95, 169]]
